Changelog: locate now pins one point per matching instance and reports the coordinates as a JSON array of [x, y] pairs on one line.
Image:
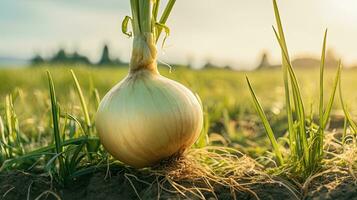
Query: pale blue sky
[[224, 31]]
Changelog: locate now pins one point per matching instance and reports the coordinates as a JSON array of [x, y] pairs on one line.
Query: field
[[33, 166]]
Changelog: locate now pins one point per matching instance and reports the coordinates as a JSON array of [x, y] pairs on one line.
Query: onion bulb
[[146, 117]]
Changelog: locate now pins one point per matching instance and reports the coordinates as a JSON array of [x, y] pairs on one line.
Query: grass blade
[[75, 159], [3, 151], [82, 100], [299, 107], [96, 98], [71, 117], [94, 94], [344, 133], [266, 124], [56, 130], [55, 114], [320, 138], [322, 69], [344, 107], [8, 118], [289, 113], [13, 140], [327, 112], [203, 139], [281, 32]]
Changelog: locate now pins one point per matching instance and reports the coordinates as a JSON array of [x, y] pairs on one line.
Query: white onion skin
[[146, 118]]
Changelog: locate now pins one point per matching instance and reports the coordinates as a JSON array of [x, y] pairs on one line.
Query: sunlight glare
[[345, 8]]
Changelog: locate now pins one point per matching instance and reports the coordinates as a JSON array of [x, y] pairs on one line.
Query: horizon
[[42, 27], [264, 61]]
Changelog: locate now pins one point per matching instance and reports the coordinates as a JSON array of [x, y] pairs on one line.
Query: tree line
[[63, 57]]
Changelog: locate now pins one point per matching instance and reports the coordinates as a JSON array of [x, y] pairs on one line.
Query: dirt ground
[[20, 185], [333, 186], [121, 185]]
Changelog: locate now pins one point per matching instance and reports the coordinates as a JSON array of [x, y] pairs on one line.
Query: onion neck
[[144, 54]]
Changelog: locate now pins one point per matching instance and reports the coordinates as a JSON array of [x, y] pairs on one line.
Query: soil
[[20, 185], [333, 186]]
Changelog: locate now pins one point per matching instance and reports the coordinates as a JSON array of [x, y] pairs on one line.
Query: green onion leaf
[[124, 26]]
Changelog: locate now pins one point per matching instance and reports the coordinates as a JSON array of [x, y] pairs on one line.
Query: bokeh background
[[233, 33], [213, 45]]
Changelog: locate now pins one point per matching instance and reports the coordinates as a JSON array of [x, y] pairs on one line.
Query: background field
[[230, 121], [224, 94]]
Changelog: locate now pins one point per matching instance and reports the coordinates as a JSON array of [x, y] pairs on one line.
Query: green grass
[[49, 120], [219, 90], [306, 138]]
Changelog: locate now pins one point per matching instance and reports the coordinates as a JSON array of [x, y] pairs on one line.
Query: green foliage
[[224, 101], [66, 156], [267, 126], [70, 158], [60, 139], [145, 20], [10, 142], [348, 118], [305, 140]]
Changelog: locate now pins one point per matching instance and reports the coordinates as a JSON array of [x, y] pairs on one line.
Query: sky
[[224, 32]]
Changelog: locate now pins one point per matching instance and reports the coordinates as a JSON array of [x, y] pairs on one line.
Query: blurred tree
[[105, 59], [78, 59], [190, 61], [62, 57], [264, 62], [59, 57], [37, 60], [209, 65]]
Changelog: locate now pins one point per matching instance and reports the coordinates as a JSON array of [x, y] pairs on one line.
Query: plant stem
[[135, 17], [146, 31], [145, 16], [165, 16], [155, 10]]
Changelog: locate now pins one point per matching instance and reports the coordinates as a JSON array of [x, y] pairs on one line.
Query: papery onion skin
[[146, 118]]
